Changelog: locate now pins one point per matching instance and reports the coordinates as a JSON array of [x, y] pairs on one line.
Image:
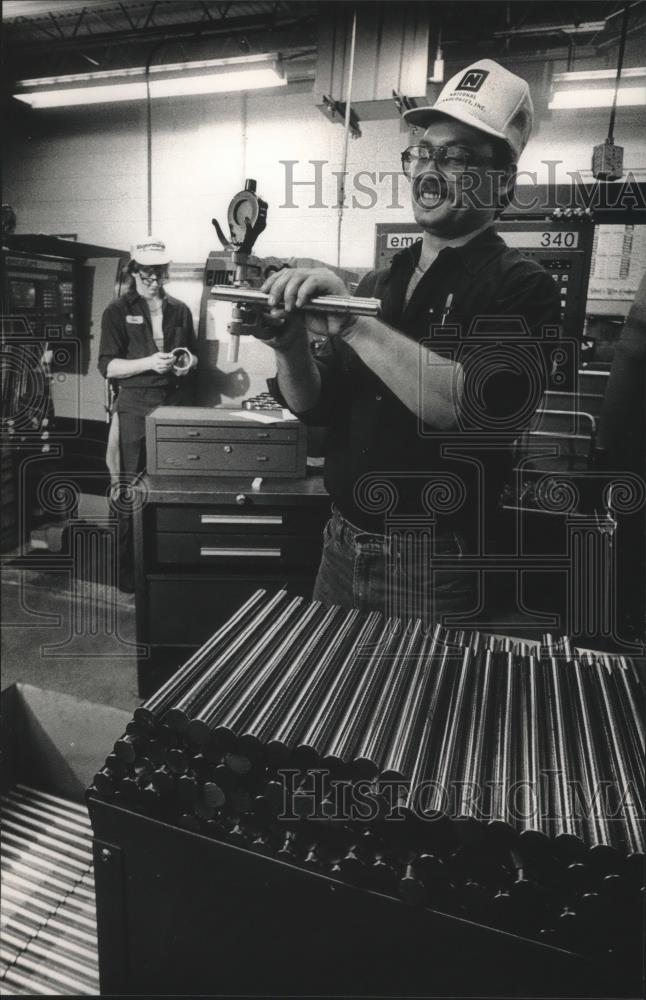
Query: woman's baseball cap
[[150, 251], [488, 97]]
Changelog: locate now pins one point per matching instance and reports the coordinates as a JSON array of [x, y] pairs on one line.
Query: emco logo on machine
[[473, 80]]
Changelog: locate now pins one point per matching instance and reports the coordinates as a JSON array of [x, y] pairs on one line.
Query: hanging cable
[[346, 136], [620, 62], [149, 134]]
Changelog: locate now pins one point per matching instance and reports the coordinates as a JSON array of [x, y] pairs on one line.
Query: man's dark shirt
[[488, 290], [127, 332]]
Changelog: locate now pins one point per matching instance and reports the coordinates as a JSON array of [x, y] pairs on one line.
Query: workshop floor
[[68, 635]]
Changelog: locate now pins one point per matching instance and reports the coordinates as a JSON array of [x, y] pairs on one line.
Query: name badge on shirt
[[134, 319]]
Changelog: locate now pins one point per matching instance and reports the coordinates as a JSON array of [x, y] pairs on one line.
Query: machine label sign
[[557, 240], [397, 241]]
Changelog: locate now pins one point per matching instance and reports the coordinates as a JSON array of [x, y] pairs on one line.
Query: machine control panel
[[42, 290], [562, 247]]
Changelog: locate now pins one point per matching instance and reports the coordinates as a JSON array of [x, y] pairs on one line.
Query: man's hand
[[161, 363], [292, 288]]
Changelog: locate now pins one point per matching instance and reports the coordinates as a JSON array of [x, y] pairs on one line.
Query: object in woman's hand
[[182, 360]]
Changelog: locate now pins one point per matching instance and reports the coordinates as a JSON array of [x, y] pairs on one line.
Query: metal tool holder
[[247, 218]]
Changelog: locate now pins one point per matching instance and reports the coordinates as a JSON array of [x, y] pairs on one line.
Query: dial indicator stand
[[247, 218]]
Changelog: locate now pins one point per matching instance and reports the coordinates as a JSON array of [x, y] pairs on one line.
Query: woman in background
[[148, 349]]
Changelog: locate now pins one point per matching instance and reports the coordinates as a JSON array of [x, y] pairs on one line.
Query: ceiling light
[[595, 88], [572, 99], [208, 76]]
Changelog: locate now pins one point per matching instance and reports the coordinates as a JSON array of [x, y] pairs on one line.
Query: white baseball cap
[[488, 97], [150, 251]]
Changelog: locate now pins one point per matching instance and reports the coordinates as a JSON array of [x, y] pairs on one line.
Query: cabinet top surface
[[167, 489]]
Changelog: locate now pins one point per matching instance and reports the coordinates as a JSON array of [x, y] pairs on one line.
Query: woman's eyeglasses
[[151, 274], [449, 159]]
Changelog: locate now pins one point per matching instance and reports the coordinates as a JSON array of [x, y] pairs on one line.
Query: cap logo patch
[[473, 80]]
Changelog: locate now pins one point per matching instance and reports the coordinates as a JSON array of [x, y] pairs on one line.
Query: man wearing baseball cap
[[148, 348], [399, 408]]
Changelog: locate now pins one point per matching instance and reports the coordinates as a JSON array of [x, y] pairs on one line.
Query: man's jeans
[[395, 574]]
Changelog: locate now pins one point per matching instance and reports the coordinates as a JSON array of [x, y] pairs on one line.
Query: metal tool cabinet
[[203, 546]]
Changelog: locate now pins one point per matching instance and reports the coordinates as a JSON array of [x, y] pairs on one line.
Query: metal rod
[[530, 805], [271, 676], [351, 727], [32, 817], [54, 800], [370, 753], [34, 845], [351, 305], [401, 752], [221, 697], [20, 868], [283, 735], [314, 739], [81, 822], [225, 663], [566, 828], [477, 724], [267, 715], [445, 754], [424, 766], [177, 685], [598, 834]]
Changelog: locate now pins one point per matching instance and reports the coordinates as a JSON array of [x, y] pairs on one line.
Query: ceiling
[[44, 37]]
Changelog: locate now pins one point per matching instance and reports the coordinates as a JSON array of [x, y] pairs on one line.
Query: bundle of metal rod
[[49, 941], [455, 769]]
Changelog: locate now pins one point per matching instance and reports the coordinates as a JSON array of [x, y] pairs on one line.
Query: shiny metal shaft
[[177, 685], [272, 674], [321, 726], [352, 723], [283, 736], [225, 694], [349, 304], [370, 754], [180, 713]]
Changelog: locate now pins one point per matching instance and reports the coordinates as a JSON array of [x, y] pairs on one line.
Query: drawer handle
[[193, 434], [192, 458], [240, 553], [241, 519], [262, 434], [228, 449], [261, 458]]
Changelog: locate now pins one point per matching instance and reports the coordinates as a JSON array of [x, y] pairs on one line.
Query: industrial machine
[[53, 293], [310, 770], [562, 246]]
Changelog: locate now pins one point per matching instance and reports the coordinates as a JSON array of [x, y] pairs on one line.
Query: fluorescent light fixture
[[208, 76], [594, 88], [578, 99], [576, 76]]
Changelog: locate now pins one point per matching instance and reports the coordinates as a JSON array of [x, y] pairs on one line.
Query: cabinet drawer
[[226, 459], [233, 519], [277, 435], [196, 549]]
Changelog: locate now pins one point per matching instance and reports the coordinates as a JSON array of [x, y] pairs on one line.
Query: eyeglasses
[[148, 275], [449, 159]]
